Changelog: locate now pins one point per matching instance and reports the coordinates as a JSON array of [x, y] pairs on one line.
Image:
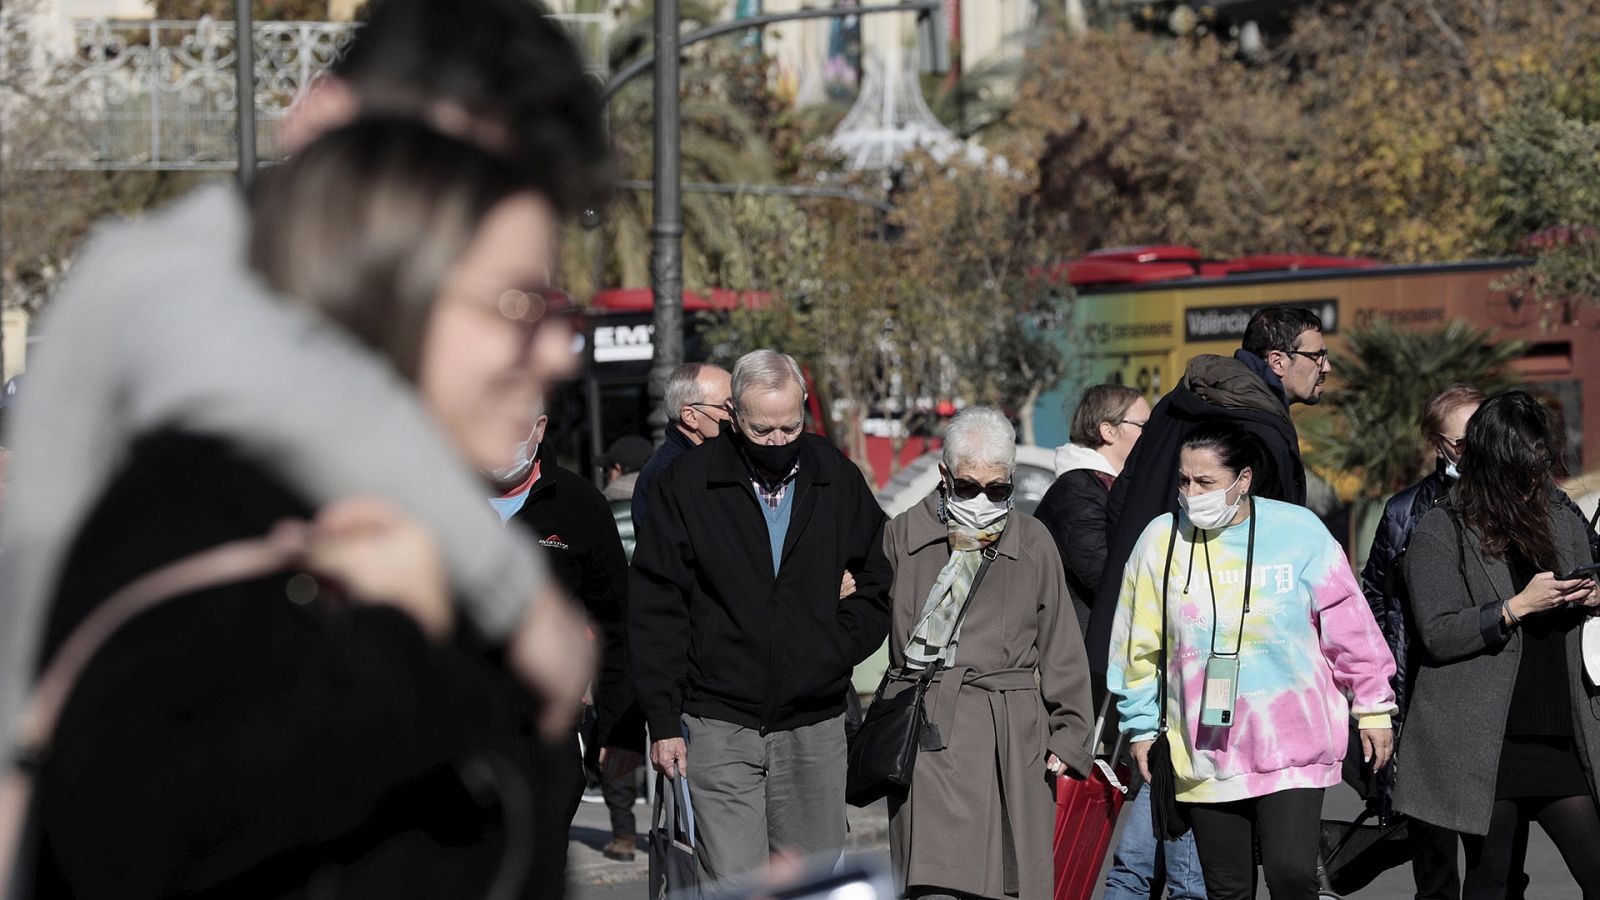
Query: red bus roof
[[1147, 265]]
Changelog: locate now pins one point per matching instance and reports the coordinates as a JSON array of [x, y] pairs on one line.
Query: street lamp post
[[244, 70], [666, 229]]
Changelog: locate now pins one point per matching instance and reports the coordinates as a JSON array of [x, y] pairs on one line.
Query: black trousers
[[1433, 861], [621, 794], [1573, 824], [1288, 826]]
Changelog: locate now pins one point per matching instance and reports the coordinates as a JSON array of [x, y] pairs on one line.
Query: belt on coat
[[948, 684]]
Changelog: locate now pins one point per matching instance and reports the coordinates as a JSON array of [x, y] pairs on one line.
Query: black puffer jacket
[[1074, 510], [1382, 579], [1241, 390]]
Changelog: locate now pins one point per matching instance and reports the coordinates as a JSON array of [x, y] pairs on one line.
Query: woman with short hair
[[1010, 701]]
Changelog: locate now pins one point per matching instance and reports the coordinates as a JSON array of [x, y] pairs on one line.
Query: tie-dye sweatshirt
[[1311, 653]]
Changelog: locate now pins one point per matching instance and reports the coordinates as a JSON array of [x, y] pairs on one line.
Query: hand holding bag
[[672, 841], [883, 751]]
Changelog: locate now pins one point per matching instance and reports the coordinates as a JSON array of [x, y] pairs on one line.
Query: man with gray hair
[[697, 405], [741, 645]]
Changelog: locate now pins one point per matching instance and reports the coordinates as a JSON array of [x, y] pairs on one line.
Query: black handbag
[[883, 750], [672, 842]]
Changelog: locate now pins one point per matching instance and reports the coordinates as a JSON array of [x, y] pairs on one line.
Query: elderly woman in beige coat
[[1011, 703]]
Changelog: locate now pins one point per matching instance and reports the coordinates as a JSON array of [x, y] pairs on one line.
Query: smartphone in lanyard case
[[1222, 688], [1222, 669]]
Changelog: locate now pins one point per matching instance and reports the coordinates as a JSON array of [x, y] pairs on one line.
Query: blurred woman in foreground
[[323, 727]]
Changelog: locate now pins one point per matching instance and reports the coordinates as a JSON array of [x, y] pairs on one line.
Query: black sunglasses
[[965, 489]]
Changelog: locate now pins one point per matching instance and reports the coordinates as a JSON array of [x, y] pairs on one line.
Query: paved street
[[597, 878]]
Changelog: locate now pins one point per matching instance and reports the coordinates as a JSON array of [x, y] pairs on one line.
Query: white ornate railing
[[161, 94]]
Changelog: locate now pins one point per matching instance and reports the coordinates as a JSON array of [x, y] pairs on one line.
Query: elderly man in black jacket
[[742, 648], [1283, 360]]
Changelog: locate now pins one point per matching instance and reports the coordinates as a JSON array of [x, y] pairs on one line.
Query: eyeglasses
[[1136, 424], [1318, 357], [719, 407], [1453, 443], [528, 308], [966, 489]]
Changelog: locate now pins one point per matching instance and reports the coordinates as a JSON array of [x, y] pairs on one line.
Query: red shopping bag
[[1086, 818]]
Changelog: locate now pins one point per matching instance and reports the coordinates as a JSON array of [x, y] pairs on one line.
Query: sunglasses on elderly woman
[[966, 489]]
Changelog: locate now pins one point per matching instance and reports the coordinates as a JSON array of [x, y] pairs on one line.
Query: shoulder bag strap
[[1161, 660], [224, 564]]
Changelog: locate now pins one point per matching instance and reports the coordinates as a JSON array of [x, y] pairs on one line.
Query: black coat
[[1148, 488], [234, 744], [713, 631], [673, 446], [572, 521], [1074, 510], [1383, 577]]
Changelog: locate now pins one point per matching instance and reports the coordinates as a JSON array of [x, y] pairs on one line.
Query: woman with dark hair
[[323, 728], [1444, 428], [1239, 636], [1504, 729]]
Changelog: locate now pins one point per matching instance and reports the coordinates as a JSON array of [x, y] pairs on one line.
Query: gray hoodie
[[162, 326]]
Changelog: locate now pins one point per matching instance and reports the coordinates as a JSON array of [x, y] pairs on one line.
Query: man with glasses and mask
[[697, 407], [741, 646], [1283, 361]]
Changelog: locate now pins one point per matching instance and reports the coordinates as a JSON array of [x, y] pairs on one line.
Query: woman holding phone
[[1505, 726]]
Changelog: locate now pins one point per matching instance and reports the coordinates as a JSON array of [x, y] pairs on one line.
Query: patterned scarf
[[937, 635]]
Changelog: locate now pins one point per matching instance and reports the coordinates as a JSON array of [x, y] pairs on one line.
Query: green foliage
[[1383, 383], [1546, 171], [1546, 167]]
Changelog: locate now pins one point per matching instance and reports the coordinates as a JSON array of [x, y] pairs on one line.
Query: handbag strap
[[1161, 659], [674, 811], [929, 673], [225, 564], [989, 555]]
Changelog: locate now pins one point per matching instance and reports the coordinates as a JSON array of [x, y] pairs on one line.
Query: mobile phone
[[1591, 571]]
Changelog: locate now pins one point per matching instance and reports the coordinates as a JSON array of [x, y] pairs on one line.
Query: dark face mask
[[772, 464]]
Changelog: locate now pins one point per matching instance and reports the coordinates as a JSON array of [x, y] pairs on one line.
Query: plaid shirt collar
[[773, 496]]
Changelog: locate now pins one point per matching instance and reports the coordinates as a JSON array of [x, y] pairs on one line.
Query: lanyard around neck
[[1249, 573]]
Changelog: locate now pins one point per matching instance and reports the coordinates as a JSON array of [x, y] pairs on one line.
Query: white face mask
[[522, 462], [1211, 510], [978, 513], [1450, 471]]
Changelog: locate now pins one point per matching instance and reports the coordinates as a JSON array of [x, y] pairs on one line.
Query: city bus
[[1142, 313]]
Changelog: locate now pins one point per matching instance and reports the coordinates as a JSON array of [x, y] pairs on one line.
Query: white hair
[[765, 370], [981, 435], [684, 389]]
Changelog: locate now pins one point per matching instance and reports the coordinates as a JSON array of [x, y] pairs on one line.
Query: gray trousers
[[755, 794]]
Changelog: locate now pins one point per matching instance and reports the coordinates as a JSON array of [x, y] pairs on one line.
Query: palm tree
[[1369, 442], [720, 143]]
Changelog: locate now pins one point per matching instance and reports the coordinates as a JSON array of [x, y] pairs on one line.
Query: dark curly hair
[[1512, 456]]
